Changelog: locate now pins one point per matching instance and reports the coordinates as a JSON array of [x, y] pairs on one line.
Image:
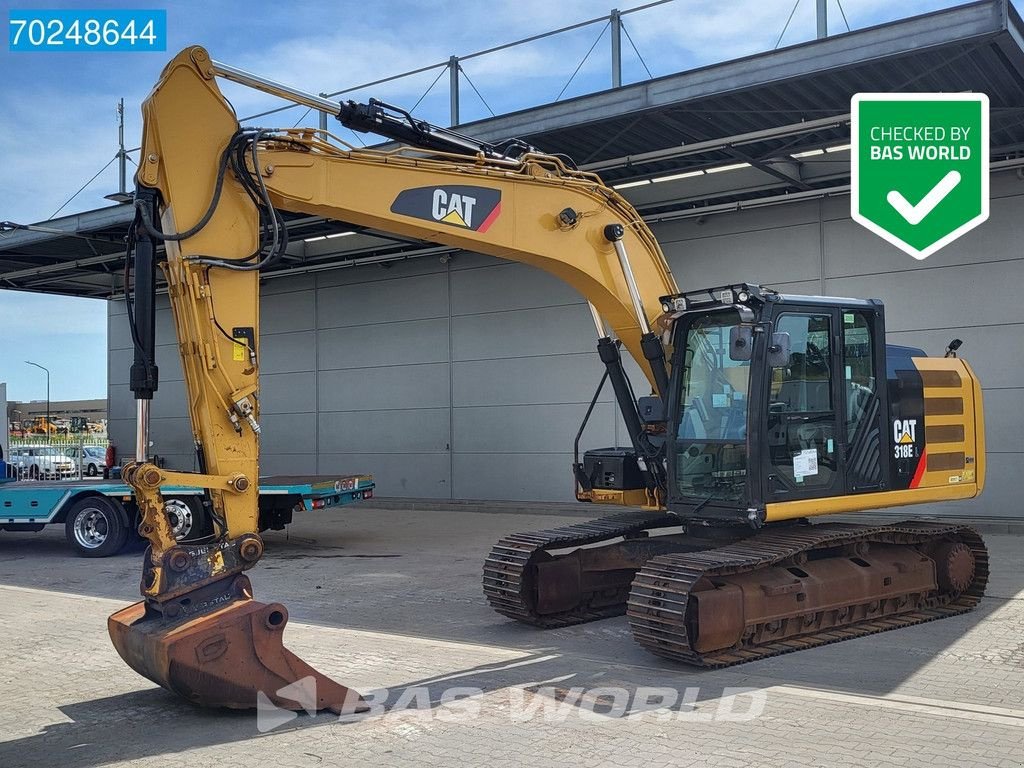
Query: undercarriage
[[717, 596]]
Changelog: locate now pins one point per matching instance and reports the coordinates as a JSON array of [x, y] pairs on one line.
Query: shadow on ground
[[565, 688], [419, 575]]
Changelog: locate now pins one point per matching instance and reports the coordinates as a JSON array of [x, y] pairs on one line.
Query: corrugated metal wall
[[468, 379]]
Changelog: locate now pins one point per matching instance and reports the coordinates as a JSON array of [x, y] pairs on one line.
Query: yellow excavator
[[766, 409]]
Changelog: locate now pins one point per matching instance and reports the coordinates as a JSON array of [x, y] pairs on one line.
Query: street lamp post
[[47, 427]]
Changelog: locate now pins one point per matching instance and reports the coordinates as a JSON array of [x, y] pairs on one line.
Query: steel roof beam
[[78, 225], [721, 144], [730, 149]]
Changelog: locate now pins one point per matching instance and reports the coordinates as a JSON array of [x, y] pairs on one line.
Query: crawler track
[[510, 568], [661, 605]]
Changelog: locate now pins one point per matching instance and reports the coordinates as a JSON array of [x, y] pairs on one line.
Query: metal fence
[[612, 23], [62, 457], [61, 441], [619, 46]]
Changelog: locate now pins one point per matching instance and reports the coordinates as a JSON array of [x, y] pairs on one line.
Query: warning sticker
[[805, 464]]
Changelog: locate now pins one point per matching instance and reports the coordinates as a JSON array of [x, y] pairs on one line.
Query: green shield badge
[[919, 167]]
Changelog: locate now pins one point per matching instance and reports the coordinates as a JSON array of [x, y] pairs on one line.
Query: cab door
[[865, 399], [803, 456]]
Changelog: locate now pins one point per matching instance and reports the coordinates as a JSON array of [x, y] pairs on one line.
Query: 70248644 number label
[[81, 30]]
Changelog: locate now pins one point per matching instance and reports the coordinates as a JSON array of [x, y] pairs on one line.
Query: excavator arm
[[210, 193]]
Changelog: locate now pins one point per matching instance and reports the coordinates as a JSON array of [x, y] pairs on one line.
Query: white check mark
[[915, 214]]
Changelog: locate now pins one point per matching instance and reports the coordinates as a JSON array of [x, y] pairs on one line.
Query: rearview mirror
[[779, 351], [741, 342]]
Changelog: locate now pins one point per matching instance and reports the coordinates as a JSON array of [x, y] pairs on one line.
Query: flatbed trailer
[[99, 516]]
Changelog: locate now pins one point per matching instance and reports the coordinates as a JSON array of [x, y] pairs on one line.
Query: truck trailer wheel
[[96, 527], [189, 521]]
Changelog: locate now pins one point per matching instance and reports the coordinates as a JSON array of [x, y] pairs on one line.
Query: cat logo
[[904, 431], [458, 205], [453, 208]]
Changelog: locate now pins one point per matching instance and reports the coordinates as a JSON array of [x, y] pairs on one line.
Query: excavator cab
[[782, 406], [774, 398]]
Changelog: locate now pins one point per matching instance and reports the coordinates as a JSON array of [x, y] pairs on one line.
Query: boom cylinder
[[651, 345], [654, 351], [598, 322], [613, 233], [612, 359]]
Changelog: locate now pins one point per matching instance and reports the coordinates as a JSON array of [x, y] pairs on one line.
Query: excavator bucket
[[228, 653]]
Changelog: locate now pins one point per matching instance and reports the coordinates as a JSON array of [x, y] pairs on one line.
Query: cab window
[[711, 452], [858, 371], [801, 416]]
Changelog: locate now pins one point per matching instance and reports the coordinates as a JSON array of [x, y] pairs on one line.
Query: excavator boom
[[208, 193]]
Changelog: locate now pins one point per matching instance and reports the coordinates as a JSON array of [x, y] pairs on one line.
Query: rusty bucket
[[217, 647]]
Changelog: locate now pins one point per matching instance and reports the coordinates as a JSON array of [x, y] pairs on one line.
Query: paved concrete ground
[[390, 600]]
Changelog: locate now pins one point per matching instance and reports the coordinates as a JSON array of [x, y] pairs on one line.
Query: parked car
[[42, 461], [92, 458]]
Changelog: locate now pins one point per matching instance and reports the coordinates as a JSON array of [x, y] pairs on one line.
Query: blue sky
[[58, 110]]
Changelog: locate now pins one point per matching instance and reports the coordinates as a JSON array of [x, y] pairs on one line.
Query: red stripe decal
[[919, 472], [490, 218]]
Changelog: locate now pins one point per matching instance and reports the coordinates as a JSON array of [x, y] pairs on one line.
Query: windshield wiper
[[703, 503]]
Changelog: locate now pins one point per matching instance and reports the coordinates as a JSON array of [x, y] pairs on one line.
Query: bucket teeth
[[228, 652]]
